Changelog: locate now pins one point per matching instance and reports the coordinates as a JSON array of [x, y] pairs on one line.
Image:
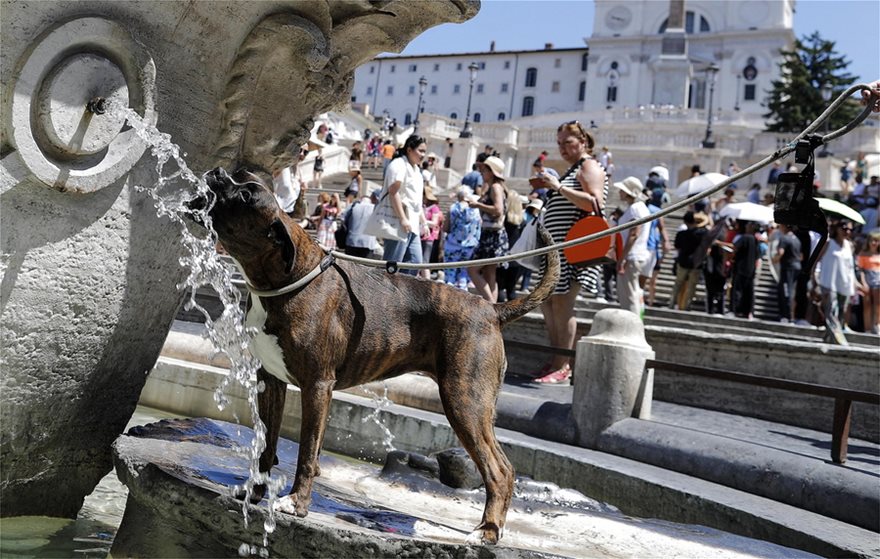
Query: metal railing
[[843, 397]]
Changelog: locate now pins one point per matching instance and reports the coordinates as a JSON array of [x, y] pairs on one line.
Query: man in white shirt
[[635, 246]]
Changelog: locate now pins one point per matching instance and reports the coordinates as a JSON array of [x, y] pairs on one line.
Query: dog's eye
[[245, 196]]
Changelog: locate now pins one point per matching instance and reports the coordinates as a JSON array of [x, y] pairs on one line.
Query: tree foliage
[[796, 97]]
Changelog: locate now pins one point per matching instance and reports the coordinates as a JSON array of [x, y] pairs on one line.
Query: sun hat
[[429, 194], [536, 203], [495, 165], [701, 219], [631, 186], [432, 155]]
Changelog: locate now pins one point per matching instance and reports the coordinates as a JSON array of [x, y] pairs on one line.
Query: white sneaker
[[783, 320], [801, 322], [601, 300]]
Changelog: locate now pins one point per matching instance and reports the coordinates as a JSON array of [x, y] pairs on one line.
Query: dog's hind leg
[[270, 403], [469, 403], [316, 397]]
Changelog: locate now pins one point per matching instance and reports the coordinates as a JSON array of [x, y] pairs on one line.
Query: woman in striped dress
[[582, 191]]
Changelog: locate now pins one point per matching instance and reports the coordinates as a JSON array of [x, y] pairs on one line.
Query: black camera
[[795, 204]]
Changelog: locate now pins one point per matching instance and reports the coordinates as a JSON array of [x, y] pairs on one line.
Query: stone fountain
[[89, 272]]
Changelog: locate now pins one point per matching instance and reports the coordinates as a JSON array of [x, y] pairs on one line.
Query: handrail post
[[610, 380], [840, 429]]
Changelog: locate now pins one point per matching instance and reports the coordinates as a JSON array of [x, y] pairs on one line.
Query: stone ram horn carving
[[298, 64]]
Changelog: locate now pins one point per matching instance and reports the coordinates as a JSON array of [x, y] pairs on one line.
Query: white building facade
[[645, 86], [508, 85], [637, 59]]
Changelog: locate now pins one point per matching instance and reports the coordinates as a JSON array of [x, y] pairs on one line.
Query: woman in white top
[[836, 279], [404, 187]]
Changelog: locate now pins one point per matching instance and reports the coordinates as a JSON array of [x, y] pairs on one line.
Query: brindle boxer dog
[[354, 324]]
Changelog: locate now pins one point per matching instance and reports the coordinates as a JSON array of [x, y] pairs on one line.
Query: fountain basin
[[180, 475]]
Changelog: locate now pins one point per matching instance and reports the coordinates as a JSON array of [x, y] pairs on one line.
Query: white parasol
[[829, 205], [698, 184], [748, 211]]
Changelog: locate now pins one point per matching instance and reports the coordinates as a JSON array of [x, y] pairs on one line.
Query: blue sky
[[528, 24]]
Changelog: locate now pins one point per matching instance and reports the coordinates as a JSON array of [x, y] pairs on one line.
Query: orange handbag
[[607, 250]]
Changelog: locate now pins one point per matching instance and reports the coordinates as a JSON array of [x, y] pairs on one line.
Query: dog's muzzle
[[216, 179]]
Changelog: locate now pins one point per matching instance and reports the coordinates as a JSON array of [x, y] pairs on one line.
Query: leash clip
[[391, 267]]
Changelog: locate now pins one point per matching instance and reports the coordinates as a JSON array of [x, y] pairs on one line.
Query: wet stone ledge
[[180, 473]]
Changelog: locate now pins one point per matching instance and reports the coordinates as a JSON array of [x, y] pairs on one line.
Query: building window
[[584, 62], [749, 94], [528, 108], [456, 89], [611, 94], [412, 90], [413, 67], [504, 87], [501, 117], [372, 69], [479, 88], [407, 119], [554, 87], [390, 90], [557, 63], [458, 67], [453, 116], [697, 93], [690, 24], [436, 67], [433, 90], [482, 65], [370, 90], [393, 67], [477, 117], [704, 25], [531, 77], [611, 89], [507, 64], [582, 91]]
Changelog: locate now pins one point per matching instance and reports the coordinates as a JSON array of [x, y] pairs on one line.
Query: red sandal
[[559, 376]]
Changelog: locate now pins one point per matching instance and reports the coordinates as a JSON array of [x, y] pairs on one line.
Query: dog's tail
[[511, 310]]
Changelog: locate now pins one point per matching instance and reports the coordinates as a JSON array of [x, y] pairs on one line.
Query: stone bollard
[[610, 380]]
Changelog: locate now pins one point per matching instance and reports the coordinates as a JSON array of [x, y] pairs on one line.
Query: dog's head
[[246, 216]]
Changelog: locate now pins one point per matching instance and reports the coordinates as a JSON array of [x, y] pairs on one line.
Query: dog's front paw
[[484, 534], [291, 505]]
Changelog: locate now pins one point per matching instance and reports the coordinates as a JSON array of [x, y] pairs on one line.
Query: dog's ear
[[278, 233]]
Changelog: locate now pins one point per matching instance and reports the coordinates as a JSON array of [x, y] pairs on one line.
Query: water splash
[[376, 416], [206, 268]]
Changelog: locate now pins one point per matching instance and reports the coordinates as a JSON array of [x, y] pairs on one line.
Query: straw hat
[[631, 186], [432, 155], [495, 165], [701, 220], [429, 194]]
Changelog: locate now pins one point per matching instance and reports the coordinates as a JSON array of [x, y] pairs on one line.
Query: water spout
[[97, 106]]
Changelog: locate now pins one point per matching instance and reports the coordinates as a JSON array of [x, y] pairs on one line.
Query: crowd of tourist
[[403, 220]]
